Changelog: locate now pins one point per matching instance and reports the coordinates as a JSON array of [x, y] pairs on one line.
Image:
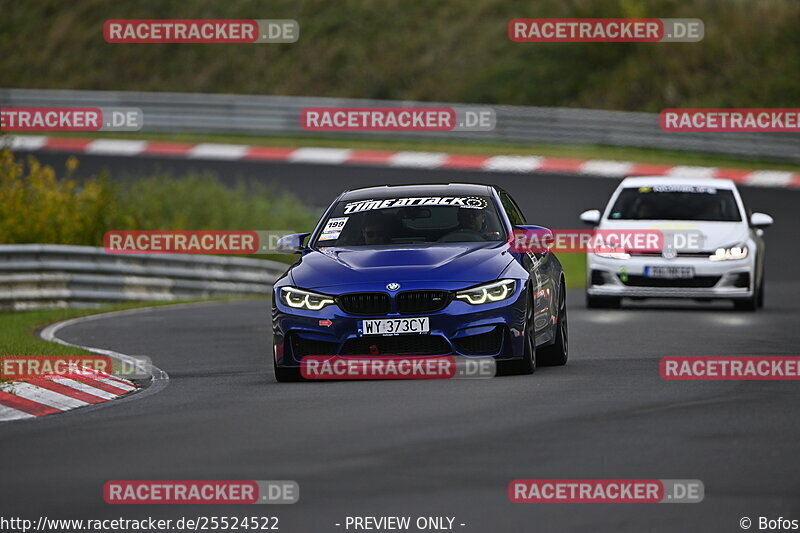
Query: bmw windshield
[[411, 220]]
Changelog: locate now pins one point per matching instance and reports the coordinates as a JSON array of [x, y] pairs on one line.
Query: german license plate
[[394, 326], [669, 272]]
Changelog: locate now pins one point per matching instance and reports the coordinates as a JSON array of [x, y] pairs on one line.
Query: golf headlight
[[488, 292], [726, 254], [613, 255], [301, 299]]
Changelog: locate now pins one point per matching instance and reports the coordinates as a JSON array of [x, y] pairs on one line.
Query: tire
[[760, 299], [526, 365], [286, 374], [751, 303], [747, 304], [558, 353], [603, 302]]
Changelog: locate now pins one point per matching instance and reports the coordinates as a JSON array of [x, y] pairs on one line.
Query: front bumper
[[487, 330], [713, 279]]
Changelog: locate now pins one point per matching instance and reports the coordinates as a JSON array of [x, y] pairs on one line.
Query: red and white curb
[[430, 160], [48, 395], [32, 398]]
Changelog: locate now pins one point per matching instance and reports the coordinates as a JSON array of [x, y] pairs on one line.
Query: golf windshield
[[676, 202], [411, 220]]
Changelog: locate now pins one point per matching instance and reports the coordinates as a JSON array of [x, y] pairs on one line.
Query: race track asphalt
[[430, 447]]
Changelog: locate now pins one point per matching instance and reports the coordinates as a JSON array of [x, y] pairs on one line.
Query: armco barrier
[[280, 115], [47, 275]]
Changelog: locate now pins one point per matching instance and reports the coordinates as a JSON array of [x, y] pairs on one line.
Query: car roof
[[649, 181], [426, 189]]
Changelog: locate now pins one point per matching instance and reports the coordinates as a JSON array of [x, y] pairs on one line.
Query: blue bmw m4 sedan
[[420, 270]]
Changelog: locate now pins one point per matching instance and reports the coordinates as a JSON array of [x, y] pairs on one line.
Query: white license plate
[[394, 326], [669, 272]]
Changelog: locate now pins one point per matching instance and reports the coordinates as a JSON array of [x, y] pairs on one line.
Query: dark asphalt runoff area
[[429, 447]]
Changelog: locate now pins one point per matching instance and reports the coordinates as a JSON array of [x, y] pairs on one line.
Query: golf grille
[[695, 282]]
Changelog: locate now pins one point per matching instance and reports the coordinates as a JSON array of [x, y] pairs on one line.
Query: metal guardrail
[[280, 115], [48, 275]]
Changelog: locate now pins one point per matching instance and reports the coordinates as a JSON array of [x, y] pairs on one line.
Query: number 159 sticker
[[333, 228]]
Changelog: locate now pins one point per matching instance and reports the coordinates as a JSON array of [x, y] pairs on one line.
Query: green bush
[[38, 207]]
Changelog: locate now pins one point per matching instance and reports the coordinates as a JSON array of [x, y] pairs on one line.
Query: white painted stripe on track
[[24, 142], [769, 178], [9, 413], [218, 151], [611, 169], [45, 396], [85, 387], [692, 172], [115, 383], [115, 147], [417, 159], [513, 163], [320, 155]]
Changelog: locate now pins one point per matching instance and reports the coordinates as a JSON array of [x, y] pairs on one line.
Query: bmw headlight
[[302, 299], [732, 253], [488, 292]]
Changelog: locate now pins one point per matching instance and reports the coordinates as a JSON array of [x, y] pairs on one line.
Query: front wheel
[[286, 374], [558, 353], [746, 304], [756, 301], [526, 365]]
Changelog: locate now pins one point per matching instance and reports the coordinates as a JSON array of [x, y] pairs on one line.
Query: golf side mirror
[[760, 220], [592, 216]]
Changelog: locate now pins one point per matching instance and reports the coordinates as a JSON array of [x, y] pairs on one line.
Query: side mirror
[[760, 220], [536, 239], [592, 216], [291, 244]]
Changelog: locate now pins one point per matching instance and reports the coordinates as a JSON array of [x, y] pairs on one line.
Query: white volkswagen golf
[[712, 249]]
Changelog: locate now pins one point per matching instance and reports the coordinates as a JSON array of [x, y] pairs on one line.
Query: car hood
[[471, 262], [714, 234]]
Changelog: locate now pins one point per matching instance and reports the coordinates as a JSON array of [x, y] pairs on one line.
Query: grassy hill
[[447, 50]]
